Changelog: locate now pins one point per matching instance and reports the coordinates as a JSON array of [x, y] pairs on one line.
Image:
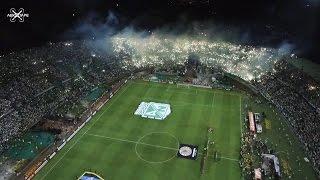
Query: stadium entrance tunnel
[[157, 147]]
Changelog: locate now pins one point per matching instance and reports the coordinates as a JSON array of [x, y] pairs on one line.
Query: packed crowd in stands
[[47, 80], [306, 86], [297, 96], [51, 80]]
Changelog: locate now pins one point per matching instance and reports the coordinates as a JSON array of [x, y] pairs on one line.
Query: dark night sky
[[297, 21]]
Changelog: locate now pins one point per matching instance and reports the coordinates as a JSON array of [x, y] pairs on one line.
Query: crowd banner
[[80, 127], [30, 177], [89, 118], [101, 105], [73, 134], [61, 146], [52, 155], [39, 168]]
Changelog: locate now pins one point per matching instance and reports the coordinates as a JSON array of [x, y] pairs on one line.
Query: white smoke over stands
[[210, 44], [244, 61]]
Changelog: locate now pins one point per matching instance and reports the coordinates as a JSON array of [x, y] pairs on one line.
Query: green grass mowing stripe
[[135, 167], [186, 122], [180, 124], [199, 131], [132, 130], [102, 122], [225, 126], [232, 126], [111, 158], [210, 122], [119, 122], [165, 124], [117, 96], [173, 124], [212, 103], [191, 90], [192, 134], [185, 101], [202, 118], [134, 142], [67, 169], [235, 138], [218, 119]]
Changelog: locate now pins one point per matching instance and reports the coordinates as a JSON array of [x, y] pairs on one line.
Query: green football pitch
[[116, 144]]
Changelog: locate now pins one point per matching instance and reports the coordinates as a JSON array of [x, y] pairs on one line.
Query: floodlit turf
[[116, 144]]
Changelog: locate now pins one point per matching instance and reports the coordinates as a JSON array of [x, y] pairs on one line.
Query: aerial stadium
[[152, 104]]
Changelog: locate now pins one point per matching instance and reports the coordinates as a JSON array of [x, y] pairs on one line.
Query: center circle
[[157, 147]]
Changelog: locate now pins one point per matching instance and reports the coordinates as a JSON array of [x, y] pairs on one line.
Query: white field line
[[205, 90], [231, 159], [223, 157], [175, 103], [84, 133], [133, 142], [177, 90], [152, 145]]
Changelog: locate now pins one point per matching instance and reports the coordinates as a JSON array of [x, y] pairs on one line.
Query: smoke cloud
[[222, 46]]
